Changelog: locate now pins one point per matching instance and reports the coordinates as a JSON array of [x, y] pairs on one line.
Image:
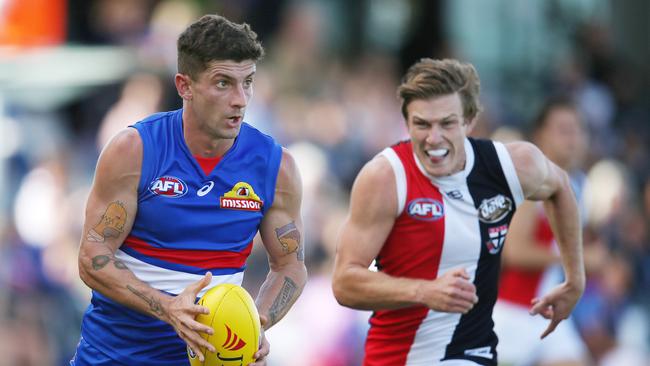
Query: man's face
[[563, 138], [220, 95], [438, 130]]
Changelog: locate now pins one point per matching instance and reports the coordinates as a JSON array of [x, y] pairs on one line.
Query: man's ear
[[183, 83], [470, 124]]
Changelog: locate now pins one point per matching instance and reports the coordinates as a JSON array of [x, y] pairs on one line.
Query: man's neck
[[201, 143]]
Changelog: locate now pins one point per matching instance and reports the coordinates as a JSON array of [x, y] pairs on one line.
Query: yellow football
[[236, 323]]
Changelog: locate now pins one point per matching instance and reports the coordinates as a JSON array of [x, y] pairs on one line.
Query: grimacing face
[[438, 129], [220, 95]]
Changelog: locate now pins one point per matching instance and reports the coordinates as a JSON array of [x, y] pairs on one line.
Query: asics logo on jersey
[[233, 341], [494, 209], [241, 197], [205, 189], [168, 186], [426, 209]]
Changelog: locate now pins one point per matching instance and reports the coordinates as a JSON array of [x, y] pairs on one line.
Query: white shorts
[[519, 342]]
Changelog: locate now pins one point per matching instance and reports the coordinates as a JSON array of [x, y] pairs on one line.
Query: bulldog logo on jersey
[[168, 186], [425, 209], [241, 197], [497, 238], [494, 209]]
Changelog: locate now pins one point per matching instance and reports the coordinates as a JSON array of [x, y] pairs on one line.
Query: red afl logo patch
[[426, 209], [168, 186]]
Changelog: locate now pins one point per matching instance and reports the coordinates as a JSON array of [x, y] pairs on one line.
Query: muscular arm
[[282, 235], [522, 249], [110, 213], [541, 180], [373, 210]]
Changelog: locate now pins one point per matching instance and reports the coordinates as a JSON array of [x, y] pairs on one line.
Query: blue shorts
[[88, 355]]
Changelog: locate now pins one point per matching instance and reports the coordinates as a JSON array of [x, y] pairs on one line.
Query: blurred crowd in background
[[74, 72]]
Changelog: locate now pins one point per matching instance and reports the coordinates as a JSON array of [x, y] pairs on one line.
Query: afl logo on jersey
[[168, 186], [425, 209], [241, 197]]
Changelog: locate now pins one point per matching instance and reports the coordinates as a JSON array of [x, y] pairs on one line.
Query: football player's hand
[[265, 347], [556, 305], [452, 292], [180, 312]]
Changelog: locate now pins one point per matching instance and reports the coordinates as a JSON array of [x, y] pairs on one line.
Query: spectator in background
[[531, 261], [179, 197]]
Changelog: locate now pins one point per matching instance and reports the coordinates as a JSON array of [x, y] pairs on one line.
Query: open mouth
[[235, 119], [438, 153]]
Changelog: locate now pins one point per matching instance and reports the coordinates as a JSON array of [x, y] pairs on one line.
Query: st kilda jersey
[[187, 223], [445, 223]]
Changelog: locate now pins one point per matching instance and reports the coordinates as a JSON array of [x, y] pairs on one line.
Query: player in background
[[433, 212], [175, 204], [531, 260]]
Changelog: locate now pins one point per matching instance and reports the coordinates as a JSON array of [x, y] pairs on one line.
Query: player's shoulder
[[376, 178], [377, 170], [374, 192], [126, 142], [122, 153], [288, 173]]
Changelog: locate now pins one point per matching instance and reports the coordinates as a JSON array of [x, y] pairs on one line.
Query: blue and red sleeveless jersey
[[187, 223]]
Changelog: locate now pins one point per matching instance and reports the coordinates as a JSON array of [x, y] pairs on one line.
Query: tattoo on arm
[[284, 300], [289, 237], [101, 261], [154, 305], [110, 225]]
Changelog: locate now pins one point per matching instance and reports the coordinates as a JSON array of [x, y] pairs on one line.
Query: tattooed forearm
[[110, 225], [101, 261], [289, 237], [284, 300], [154, 305]]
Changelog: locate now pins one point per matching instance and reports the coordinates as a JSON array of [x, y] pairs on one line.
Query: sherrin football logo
[[426, 209], [241, 197], [168, 186]]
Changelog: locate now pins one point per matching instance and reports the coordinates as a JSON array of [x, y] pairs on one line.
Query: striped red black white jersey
[[444, 223]]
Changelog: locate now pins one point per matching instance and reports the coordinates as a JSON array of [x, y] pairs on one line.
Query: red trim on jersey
[[521, 286], [413, 249], [206, 259], [207, 164]]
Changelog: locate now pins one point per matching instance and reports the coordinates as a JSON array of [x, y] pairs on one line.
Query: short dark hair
[[215, 38], [430, 78], [551, 104]]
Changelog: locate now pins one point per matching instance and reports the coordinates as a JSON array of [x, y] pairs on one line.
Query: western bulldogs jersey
[[187, 223], [445, 223]]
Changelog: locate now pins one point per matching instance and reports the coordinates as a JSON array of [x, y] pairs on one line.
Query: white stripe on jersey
[[511, 174], [400, 177], [461, 249], [173, 282], [461, 226]]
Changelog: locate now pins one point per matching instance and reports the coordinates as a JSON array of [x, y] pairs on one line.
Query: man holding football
[[433, 212], [175, 204]]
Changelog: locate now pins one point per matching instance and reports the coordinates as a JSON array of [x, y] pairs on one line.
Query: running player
[[433, 212], [175, 204]]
